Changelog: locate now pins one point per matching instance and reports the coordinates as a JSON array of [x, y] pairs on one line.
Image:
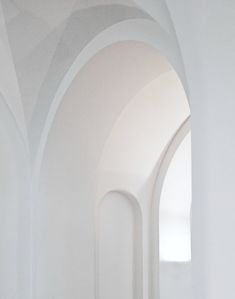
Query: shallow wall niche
[[119, 248]]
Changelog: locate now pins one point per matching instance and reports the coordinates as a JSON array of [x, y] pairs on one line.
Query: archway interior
[[119, 247], [109, 134]]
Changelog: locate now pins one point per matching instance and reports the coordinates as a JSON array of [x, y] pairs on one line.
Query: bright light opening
[[175, 206]]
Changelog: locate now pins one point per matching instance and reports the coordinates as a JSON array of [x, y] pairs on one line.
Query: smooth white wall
[[209, 60], [119, 244], [176, 280], [15, 269], [204, 32]]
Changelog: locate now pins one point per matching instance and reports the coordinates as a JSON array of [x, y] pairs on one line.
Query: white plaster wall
[[119, 247], [176, 280], [209, 60], [15, 270], [202, 51]]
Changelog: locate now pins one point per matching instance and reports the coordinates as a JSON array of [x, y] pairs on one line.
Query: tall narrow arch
[[118, 247], [175, 225], [156, 233], [175, 206]]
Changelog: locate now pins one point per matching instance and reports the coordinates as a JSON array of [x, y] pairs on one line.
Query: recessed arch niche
[[119, 247]]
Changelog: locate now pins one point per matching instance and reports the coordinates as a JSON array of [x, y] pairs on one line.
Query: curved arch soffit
[[167, 156], [127, 106], [139, 30]]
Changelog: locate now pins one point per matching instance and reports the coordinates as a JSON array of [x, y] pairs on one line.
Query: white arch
[[165, 160], [145, 31], [137, 239]]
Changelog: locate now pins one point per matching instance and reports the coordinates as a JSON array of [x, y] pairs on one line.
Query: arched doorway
[[175, 225]]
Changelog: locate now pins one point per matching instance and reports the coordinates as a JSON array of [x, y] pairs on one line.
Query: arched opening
[[109, 133], [175, 225], [150, 129], [175, 206]]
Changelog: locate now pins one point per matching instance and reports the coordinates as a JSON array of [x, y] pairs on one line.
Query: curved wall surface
[[81, 83]]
